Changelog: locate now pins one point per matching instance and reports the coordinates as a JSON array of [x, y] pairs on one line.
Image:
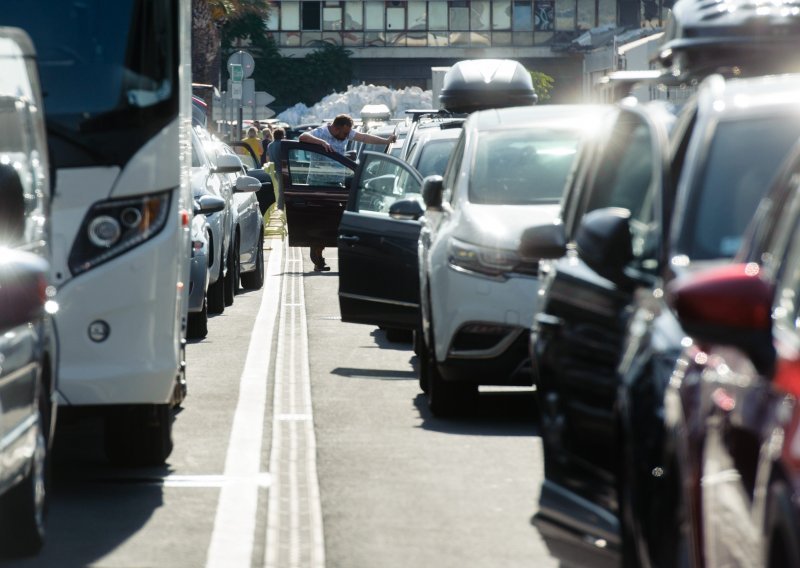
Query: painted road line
[[234, 526], [294, 519]]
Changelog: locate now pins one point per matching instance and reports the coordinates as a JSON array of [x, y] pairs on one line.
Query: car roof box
[[478, 84], [748, 38]]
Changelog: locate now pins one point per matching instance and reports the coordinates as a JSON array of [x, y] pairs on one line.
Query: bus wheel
[[139, 435]]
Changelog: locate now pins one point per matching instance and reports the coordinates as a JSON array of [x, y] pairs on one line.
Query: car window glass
[[433, 157], [786, 312], [743, 157], [453, 168], [625, 169], [521, 166], [383, 182], [318, 170]]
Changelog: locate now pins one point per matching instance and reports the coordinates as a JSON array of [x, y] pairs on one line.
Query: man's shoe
[[321, 268]]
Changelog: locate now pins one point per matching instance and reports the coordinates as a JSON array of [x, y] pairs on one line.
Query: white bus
[[116, 80]]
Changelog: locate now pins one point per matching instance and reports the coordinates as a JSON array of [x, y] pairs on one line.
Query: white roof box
[[375, 112]]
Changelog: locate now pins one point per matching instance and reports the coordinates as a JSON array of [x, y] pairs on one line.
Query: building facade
[[395, 43]]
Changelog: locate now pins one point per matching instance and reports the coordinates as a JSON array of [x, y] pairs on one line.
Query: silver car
[[197, 325]]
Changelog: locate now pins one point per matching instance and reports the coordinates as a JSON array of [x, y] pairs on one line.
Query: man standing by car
[[334, 137]]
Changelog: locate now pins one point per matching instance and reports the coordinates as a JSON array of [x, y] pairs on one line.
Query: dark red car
[[731, 408]]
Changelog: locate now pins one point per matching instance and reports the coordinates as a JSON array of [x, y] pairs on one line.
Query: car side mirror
[[23, 285], [247, 184], [208, 204], [727, 305], [603, 241], [432, 189], [543, 242], [406, 210], [228, 164]]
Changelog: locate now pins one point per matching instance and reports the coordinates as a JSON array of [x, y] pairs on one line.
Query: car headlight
[[115, 226], [489, 261]]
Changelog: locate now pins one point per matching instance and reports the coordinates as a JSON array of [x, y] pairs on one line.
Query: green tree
[[542, 84]]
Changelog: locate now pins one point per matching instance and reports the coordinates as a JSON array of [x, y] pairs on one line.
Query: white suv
[[477, 295]]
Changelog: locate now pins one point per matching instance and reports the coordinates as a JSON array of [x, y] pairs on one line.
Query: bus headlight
[[115, 226]]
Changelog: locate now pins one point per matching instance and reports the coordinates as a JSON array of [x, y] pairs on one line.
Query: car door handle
[[349, 239]]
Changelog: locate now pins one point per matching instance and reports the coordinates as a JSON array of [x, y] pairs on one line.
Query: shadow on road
[[381, 374], [513, 413], [94, 507]]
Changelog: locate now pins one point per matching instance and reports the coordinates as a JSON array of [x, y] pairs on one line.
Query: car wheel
[[232, 278], [445, 398], [255, 280], [139, 435], [216, 295], [197, 326], [24, 506]]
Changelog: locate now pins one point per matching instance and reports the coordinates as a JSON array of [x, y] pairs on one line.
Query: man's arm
[[372, 139], [311, 139]]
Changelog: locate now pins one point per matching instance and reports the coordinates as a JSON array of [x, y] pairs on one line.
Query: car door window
[[316, 170], [384, 181], [453, 169]]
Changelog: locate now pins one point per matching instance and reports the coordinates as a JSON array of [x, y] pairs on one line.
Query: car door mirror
[[228, 164], [543, 242], [603, 241], [23, 285], [247, 184], [432, 189], [406, 210], [727, 305], [208, 204]]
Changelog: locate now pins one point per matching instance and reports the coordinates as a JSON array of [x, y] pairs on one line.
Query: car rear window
[[521, 166], [434, 155], [743, 158]]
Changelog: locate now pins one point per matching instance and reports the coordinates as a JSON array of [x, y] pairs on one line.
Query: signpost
[[242, 92]]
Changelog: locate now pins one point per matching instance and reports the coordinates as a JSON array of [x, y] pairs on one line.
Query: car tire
[[421, 349], [24, 506], [445, 398], [139, 435], [232, 277], [216, 295], [197, 325], [782, 548], [255, 280]]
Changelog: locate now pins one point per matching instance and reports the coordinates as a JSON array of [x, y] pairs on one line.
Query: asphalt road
[[304, 442]]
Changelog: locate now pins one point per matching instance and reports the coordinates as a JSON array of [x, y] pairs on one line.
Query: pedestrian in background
[[274, 155], [253, 141], [266, 140]]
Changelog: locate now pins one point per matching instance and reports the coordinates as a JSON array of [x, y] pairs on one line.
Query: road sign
[[236, 91], [248, 92], [237, 72], [245, 60], [263, 98]]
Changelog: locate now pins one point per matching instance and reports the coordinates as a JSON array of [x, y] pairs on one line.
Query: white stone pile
[[351, 101]]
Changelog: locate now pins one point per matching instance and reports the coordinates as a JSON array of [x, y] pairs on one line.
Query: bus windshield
[[104, 66]]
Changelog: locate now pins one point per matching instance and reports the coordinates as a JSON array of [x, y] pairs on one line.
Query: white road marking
[[294, 520], [234, 526]]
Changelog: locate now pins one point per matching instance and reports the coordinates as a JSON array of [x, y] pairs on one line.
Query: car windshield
[[105, 67], [743, 158], [434, 155], [521, 166]]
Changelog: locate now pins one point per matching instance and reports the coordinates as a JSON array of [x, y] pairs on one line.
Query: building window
[[437, 15], [480, 15], [459, 15], [331, 16], [311, 12], [417, 16], [607, 12], [290, 15], [353, 15], [501, 15], [395, 16], [273, 22], [523, 16], [586, 14], [544, 16], [374, 12]]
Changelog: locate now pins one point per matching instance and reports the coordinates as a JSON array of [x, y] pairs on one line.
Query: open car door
[[315, 188], [378, 273]]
